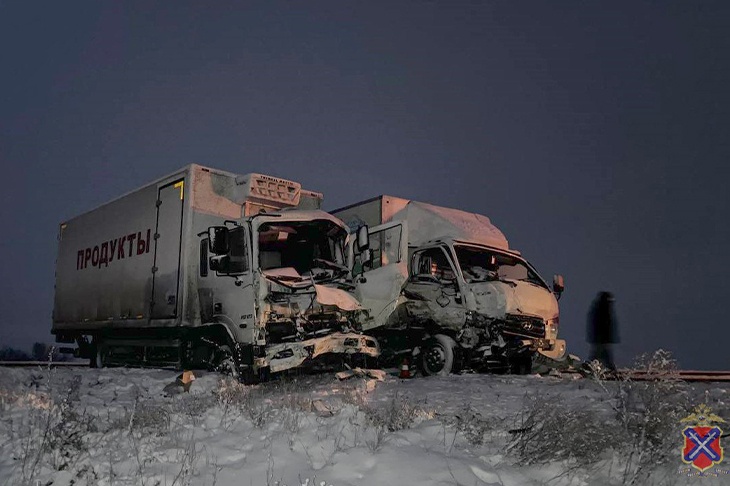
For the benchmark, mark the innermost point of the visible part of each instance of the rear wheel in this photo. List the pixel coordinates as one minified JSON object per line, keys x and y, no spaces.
{"x":97,"y":354}
{"x":437,"y":357}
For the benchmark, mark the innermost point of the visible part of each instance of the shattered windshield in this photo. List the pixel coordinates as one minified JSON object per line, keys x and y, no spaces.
{"x":309,"y":247}
{"x":479,"y":265}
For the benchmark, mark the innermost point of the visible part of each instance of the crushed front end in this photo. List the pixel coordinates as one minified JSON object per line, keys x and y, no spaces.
{"x":306,"y":324}
{"x":508,"y":342}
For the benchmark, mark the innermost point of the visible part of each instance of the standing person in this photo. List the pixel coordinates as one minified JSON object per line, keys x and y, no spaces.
{"x":602,"y":331}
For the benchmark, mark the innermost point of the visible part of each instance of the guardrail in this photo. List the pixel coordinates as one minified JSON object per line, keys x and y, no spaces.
{"x":684,"y":375}
{"x":42,"y":364}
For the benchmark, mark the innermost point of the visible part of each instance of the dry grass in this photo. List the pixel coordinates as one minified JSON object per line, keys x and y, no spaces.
{"x":637,"y":435}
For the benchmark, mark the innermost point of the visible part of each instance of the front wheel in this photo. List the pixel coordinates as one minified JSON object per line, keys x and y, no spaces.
{"x":437,"y":358}
{"x":224,"y":362}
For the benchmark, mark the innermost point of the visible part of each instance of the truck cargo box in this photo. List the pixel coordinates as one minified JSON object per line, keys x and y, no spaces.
{"x":126,"y":261}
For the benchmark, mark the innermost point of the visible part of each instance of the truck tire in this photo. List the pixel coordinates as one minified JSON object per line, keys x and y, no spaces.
{"x":97,"y":357}
{"x":225,"y":363}
{"x":437,"y":355}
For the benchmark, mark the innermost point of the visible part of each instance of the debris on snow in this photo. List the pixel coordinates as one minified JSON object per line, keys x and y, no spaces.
{"x":378,"y":375}
{"x":181,"y":384}
{"x":322,"y":409}
{"x":113,"y":427}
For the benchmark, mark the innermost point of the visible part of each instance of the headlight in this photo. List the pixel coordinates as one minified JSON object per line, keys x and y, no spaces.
{"x":552,"y":326}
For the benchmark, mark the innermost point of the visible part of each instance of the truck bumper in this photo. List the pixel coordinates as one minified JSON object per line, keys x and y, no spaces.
{"x":284,"y":356}
{"x":556,"y":351}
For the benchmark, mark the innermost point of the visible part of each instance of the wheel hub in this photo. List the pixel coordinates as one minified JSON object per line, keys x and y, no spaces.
{"x":435,"y":358}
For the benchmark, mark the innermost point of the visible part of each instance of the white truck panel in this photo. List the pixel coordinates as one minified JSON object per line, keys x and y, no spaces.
{"x":102,"y":271}
{"x":426,"y":222}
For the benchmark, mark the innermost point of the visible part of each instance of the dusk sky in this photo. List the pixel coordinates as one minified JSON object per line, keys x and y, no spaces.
{"x":594,"y":134}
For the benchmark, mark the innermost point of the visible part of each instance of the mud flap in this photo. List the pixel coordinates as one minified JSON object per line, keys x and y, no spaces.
{"x":286,"y":356}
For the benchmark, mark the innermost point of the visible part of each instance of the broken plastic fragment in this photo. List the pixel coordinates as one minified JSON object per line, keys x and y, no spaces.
{"x":336,"y":297}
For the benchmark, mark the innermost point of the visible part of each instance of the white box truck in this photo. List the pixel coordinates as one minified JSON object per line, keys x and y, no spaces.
{"x":208,"y":268}
{"x":444,"y":285}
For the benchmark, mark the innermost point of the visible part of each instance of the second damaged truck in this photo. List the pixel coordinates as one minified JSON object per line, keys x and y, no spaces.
{"x":208,"y":268}
{"x":444,"y":284}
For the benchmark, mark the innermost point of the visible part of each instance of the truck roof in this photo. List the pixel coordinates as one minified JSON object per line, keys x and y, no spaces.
{"x":427,"y":222}
{"x":260,"y":189}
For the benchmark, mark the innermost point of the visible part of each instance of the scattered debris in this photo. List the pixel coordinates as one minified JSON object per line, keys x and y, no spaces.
{"x":570,"y":364}
{"x":181,"y":384}
{"x":378,"y":375}
{"x":370,"y":385}
{"x":322,"y":409}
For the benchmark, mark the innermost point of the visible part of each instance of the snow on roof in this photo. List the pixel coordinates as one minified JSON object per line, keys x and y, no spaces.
{"x":428,"y":222}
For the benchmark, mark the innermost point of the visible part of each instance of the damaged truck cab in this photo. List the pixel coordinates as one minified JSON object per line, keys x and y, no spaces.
{"x":443,"y":284}
{"x":303,"y":314}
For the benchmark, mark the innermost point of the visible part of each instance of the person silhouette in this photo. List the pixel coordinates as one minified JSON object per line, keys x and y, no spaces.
{"x":602,"y":329}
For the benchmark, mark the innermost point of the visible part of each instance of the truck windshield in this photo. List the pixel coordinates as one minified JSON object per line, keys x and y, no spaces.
{"x":302,"y":245}
{"x":479,"y":265}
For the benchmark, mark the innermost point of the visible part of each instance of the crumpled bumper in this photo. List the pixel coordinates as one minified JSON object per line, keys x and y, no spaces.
{"x":556,"y":351}
{"x":285,"y":356}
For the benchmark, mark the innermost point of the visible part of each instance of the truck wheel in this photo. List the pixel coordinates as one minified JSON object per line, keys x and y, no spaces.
{"x":224,"y":362}
{"x":97,"y":356}
{"x":437,"y":356}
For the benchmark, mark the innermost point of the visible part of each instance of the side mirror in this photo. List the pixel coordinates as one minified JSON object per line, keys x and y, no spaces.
{"x":367,"y":257}
{"x":558,"y":285}
{"x":219,"y":263}
{"x":363,"y":239}
{"x":218,"y":240}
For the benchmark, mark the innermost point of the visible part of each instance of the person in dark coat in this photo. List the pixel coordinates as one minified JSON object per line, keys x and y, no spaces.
{"x":602,"y":330}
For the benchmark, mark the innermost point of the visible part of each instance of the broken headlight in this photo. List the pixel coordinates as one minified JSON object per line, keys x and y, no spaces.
{"x":551,"y":328}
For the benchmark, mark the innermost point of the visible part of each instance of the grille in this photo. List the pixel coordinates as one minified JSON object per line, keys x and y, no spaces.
{"x":528,"y":326}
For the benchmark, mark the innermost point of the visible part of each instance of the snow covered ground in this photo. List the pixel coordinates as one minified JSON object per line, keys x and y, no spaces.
{"x":75,"y":426}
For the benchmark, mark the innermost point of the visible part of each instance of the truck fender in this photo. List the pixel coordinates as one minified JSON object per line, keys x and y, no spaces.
{"x":224,"y":326}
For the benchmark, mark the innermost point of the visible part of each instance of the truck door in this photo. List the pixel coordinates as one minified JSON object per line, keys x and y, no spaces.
{"x":227,"y":295}
{"x":433,"y":289}
{"x":379,"y":285}
{"x":168,"y":235}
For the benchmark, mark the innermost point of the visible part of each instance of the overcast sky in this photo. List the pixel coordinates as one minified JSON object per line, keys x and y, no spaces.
{"x":594,"y":134}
